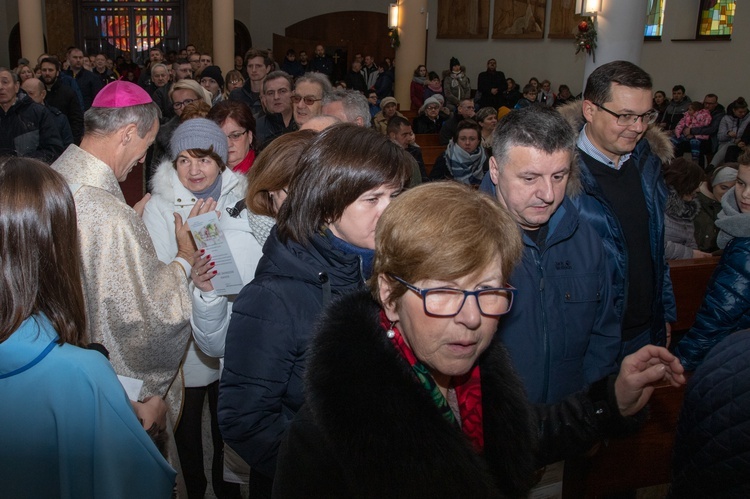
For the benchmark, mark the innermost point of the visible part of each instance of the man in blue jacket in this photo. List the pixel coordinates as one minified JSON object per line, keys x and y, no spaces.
{"x":622,"y":194}
{"x":562,"y":331}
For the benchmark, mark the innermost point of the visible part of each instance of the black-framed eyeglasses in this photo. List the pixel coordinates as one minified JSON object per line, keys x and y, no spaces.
{"x":181,"y":104}
{"x":646,"y":118}
{"x":236,"y":135}
{"x":309,"y":99}
{"x":448,"y":302}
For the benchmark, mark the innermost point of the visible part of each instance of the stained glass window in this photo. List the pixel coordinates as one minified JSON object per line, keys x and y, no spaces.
{"x":716,"y":18}
{"x":116,"y":27}
{"x":654,"y":18}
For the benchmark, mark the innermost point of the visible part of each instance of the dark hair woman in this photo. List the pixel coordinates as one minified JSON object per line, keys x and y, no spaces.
{"x":236,"y":120}
{"x":683,"y":178}
{"x":322,"y":247}
{"x":67,"y":427}
{"x":408,"y":393}
{"x":464,"y":160}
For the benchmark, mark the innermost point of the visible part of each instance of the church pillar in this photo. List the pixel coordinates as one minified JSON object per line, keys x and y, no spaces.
{"x":32,"y":31}
{"x":412,"y":30}
{"x":620,"y":26}
{"x":223,"y":34}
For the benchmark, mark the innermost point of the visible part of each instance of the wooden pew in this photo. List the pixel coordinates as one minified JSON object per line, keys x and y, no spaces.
{"x":689,"y":280}
{"x":644,"y":459}
{"x":427,"y":139}
{"x":430,"y":154}
{"x":409,"y":114}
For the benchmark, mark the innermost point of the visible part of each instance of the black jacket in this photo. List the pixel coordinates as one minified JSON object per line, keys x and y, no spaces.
{"x":369,"y":428}
{"x":64,"y":98}
{"x":29,"y":129}
{"x":423,"y":124}
{"x":712,"y":447}
{"x":355,"y":81}
{"x":488,"y":80}
{"x":272,"y":322}
{"x":246,"y":95}
{"x":89,"y":85}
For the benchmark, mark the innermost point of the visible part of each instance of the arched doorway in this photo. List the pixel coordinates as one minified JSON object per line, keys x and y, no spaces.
{"x":14,"y":46}
{"x":242,"y":39}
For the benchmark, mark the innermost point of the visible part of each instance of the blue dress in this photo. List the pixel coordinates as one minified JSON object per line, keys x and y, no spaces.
{"x":67,"y":428}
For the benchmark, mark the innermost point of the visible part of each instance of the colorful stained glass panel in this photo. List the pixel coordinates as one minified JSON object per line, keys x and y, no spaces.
{"x":654,"y":17}
{"x":716,"y":18}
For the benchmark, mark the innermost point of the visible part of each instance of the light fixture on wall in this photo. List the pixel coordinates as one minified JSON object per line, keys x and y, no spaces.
{"x":393,"y":16}
{"x":588,"y":7}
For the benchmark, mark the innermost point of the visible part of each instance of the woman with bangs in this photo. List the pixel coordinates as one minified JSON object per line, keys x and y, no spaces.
{"x":321,"y":248}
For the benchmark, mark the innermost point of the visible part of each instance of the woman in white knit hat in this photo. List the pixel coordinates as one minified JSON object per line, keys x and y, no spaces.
{"x":197,"y":170}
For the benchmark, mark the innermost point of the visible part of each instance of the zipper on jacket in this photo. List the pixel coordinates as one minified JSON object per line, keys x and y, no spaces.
{"x":545,"y":330}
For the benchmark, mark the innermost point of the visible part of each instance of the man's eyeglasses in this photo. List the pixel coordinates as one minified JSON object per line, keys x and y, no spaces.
{"x":432,"y":108}
{"x":309,"y":99}
{"x":180,"y":104}
{"x":448,"y":302}
{"x":236,"y":135}
{"x":646,"y":118}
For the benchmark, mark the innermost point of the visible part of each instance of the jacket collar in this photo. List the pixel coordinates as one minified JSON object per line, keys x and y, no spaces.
{"x":80,"y":167}
{"x":166,"y":184}
{"x":657,"y":140}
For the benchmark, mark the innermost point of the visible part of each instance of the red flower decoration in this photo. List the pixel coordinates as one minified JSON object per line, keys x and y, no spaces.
{"x":586,"y":37}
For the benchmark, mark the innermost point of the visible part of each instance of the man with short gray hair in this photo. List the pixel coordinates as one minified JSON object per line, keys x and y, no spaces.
{"x":349,"y":106}
{"x":136,"y":306}
{"x":562,"y":331}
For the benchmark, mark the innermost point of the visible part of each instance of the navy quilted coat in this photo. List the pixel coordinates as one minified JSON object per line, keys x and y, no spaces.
{"x":712,"y":448}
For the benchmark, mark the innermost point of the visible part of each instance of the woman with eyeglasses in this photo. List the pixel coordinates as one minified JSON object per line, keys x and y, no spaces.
{"x":182,"y":93}
{"x":236,"y":120}
{"x":409,"y":394}
{"x":234,"y":79}
{"x":321,"y":248}
{"x":429,"y":119}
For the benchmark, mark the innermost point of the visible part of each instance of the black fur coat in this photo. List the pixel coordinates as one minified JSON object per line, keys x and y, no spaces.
{"x":369,"y":429}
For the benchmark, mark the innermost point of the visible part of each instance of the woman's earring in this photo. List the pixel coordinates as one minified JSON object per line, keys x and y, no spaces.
{"x":391,"y":333}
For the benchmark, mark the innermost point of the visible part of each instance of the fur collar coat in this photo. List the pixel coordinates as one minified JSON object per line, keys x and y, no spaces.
{"x":369,"y":429}
{"x":657,"y":140}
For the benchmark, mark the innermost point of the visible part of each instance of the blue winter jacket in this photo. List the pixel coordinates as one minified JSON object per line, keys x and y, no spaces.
{"x":595,"y":209}
{"x":266,"y":352}
{"x":725,"y":308}
{"x":562,"y":331}
{"x":712,"y":446}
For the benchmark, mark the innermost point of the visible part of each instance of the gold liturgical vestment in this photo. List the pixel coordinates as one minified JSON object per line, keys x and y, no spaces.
{"x":136,"y":306}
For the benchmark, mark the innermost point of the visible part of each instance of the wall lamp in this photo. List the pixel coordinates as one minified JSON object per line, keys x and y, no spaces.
{"x":588,"y":7}
{"x":393,"y":16}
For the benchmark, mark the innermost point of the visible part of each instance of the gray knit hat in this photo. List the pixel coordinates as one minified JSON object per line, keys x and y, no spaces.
{"x":199,"y":133}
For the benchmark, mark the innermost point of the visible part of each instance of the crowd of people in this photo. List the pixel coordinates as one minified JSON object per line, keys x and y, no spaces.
{"x":525,"y":282}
